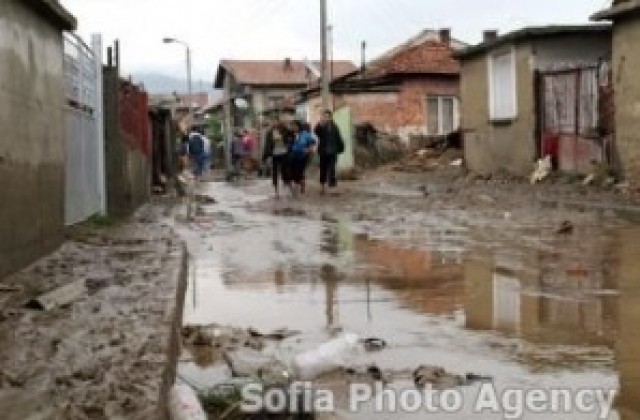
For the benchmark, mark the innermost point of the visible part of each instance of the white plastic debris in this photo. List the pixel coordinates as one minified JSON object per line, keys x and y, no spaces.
{"x":184,"y":404}
{"x":457,"y":162}
{"x":328,"y":356}
{"x":543,"y":169}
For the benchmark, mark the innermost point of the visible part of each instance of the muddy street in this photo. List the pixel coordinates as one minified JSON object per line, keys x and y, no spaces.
{"x":479,"y":280}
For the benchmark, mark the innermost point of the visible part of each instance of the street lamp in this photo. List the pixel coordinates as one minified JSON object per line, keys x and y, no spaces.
{"x":177,"y":41}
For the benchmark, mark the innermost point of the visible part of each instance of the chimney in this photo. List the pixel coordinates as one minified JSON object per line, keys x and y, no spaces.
{"x":287,"y":64}
{"x":445,"y":36}
{"x":489,"y":36}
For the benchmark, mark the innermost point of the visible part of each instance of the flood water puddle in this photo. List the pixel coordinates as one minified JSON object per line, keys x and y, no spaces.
{"x":564,"y":315}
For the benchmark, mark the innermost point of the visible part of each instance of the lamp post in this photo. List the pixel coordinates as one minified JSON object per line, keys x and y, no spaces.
{"x":189,"y":88}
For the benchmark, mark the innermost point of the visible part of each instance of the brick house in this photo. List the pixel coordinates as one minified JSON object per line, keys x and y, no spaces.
{"x":411,"y":90}
{"x":534,"y":92}
{"x":266,"y":86}
{"x":625,"y":15}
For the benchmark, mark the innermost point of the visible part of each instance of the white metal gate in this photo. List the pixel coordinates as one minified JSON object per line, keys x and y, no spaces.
{"x":85,"y":191}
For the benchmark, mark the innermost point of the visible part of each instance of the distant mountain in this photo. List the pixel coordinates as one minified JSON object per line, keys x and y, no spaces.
{"x":160,"y":83}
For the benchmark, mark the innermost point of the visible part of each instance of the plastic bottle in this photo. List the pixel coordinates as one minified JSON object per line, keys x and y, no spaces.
{"x":326,"y":357}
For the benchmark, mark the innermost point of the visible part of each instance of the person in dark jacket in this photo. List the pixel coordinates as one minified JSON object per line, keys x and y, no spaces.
{"x":330,"y":146}
{"x":277,"y":147}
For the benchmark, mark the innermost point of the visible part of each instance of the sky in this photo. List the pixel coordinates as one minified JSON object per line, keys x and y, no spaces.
{"x":276,"y":29}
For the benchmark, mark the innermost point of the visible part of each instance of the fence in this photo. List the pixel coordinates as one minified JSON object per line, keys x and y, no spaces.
{"x":85,"y":194}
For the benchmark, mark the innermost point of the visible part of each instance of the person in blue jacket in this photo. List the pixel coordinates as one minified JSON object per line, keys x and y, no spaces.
{"x":303,"y":146}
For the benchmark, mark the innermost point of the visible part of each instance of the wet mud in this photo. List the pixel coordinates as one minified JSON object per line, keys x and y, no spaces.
{"x":106,"y":353}
{"x":467,"y":278}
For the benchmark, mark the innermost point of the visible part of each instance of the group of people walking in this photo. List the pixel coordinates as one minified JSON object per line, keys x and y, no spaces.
{"x":290,"y":147}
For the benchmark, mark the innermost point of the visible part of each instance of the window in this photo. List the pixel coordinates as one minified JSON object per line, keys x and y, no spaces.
{"x":442,"y":115}
{"x":275,"y":102}
{"x":502,"y":86}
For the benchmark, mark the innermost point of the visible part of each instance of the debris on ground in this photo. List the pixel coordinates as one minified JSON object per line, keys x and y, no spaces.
{"x":100,"y":350}
{"x":375,"y":148}
{"x":542,"y":170}
{"x":374,"y":344}
{"x":204,"y":199}
{"x":426,"y":160}
{"x":59,"y":297}
{"x":435,"y":376}
{"x":327,"y":357}
{"x":565,"y":228}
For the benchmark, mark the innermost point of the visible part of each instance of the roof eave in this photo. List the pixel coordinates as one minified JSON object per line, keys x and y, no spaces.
{"x":617,"y":12}
{"x":528,"y":34}
{"x":55,"y":13}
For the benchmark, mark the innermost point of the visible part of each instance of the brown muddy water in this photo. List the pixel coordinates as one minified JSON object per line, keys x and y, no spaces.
{"x":489,"y":290}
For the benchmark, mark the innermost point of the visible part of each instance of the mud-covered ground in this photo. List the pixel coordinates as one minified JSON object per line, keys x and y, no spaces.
{"x":532,"y":286}
{"x":107,"y":354}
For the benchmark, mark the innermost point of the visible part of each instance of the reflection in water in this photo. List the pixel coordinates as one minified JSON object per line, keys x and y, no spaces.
{"x":577,"y":294}
{"x":628,"y":344}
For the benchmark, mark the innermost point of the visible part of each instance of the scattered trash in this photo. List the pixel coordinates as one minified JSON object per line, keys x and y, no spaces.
{"x":430,"y":159}
{"x":204,"y":199}
{"x":59,"y":297}
{"x":246,"y":362}
{"x":542,"y":171}
{"x":436,"y":377}
{"x":566,"y":228}
{"x":589,"y":179}
{"x":374,"y":344}
{"x":184,"y":404}
{"x":375,"y":373}
{"x":278,"y":334}
{"x":472,"y":377}
{"x":328,"y":356}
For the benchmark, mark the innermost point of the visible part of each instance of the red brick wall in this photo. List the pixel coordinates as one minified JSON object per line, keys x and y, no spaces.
{"x":403,"y":112}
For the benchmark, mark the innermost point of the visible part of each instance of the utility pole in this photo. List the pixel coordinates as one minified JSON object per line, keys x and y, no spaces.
{"x":324,"y":54}
{"x":190,"y":86}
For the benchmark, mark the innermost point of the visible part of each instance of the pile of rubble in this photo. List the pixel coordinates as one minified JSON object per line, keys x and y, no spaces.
{"x":426,"y":160}
{"x":278,"y":359}
{"x":376,"y":148}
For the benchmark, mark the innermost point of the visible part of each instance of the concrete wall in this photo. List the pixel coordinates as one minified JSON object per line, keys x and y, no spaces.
{"x":31,"y":136}
{"x":492,"y":147}
{"x":128,"y":169}
{"x":626,"y":62}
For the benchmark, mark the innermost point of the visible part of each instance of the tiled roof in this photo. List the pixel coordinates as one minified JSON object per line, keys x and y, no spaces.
{"x":281,"y":73}
{"x":430,"y":57}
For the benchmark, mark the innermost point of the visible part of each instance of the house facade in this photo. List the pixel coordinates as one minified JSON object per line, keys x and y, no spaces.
{"x":625,"y":15}
{"x":412,"y":90}
{"x":32,"y":155}
{"x":252,"y":90}
{"x":533,"y":92}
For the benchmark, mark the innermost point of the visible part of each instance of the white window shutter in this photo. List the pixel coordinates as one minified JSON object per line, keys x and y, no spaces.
{"x":502,"y":83}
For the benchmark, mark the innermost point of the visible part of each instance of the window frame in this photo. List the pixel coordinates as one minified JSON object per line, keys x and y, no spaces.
{"x":455,"y":117}
{"x":513,"y":85}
